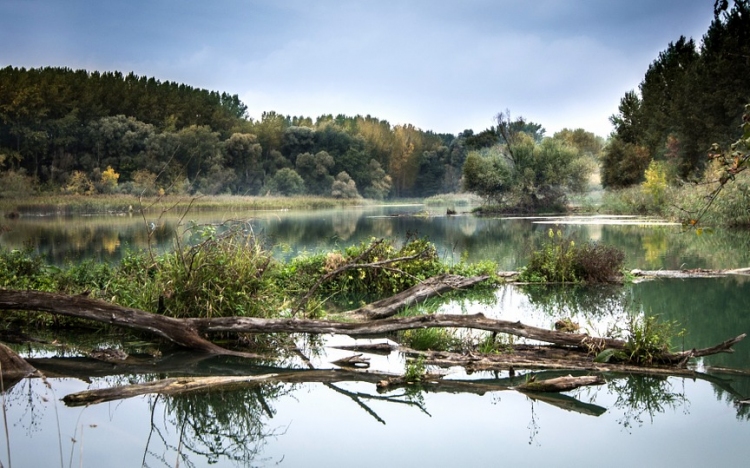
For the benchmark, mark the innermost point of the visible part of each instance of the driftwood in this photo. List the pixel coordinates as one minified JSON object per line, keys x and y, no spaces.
{"x":175,"y":330}
{"x":428,"y":288}
{"x":383,"y":349}
{"x":690,"y":273}
{"x":560,"y":384}
{"x":187,"y":332}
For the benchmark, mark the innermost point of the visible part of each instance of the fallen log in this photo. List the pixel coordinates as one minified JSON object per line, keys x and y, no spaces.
{"x":560,"y":384}
{"x":176,"y":330}
{"x":689,"y":273}
{"x":13,"y":367}
{"x":187,"y":332}
{"x":428,"y":288}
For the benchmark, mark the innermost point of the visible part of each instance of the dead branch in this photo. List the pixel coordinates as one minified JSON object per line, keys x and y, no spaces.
{"x":187,"y":332}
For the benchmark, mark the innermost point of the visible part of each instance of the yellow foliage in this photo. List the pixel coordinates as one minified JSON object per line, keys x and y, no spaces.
{"x":656,"y":181}
{"x":109,"y":179}
{"x":79,"y":183}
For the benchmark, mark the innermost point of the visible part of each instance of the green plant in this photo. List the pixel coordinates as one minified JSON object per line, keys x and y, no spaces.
{"x":647,"y":339}
{"x":434,"y":339}
{"x":561,"y":260}
{"x":415,"y":370}
{"x":493,"y":343}
{"x":553,"y":263}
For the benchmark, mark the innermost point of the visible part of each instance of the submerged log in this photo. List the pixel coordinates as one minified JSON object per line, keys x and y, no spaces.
{"x":560,"y":384}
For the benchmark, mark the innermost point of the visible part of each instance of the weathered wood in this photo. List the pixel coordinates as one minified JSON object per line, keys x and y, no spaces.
{"x":382,"y":349}
{"x":355,"y":362}
{"x":428,"y":288}
{"x":379,"y":327}
{"x":187,"y":332}
{"x":176,"y":330}
{"x":560,"y":384}
{"x":690,"y":273}
{"x":12,"y":366}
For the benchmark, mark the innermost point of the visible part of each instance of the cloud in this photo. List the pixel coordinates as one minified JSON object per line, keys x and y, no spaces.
{"x":444,"y":66}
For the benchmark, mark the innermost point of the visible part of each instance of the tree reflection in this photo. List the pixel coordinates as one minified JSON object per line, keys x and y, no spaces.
{"x":585,"y":301}
{"x":640,"y":397}
{"x":219,"y":425}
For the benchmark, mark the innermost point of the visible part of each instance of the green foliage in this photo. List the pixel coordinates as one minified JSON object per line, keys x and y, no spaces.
{"x":553,"y":263}
{"x":285,"y":182}
{"x":561,"y":260}
{"x":527,"y":175}
{"x":224,"y":274}
{"x":344,"y":187}
{"x":415,"y":370}
{"x":623,"y":163}
{"x":690,"y":97}
{"x":432,"y":339}
{"x":648,"y":338}
{"x":22,"y":269}
{"x":493,"y":343}
{"x":419,"y":261}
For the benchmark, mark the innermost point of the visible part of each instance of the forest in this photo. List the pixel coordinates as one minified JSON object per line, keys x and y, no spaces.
{"x":691,"y":97}
{"x":90,"y":132}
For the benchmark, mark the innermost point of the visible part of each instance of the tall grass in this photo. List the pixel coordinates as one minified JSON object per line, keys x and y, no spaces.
{"x":89,"y":204}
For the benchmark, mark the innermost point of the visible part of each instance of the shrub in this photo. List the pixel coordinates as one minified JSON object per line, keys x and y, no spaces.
{"x":560,"y":260}
{"x":597,"y":263}
{"x":553,"y":263}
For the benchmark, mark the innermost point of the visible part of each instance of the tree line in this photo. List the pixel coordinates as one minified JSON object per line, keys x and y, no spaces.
{"x":92,"y":132}
{"x":690,"y":98}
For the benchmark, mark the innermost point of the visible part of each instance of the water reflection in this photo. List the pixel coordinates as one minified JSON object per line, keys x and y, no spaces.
{"x":507,"y":241}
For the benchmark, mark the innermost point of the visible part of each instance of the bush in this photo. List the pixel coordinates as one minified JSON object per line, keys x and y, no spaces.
{"x":597,"y":263}
{"x":560,"y":260}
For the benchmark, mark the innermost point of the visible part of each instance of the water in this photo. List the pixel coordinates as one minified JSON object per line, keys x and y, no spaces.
{"x":629,"y":421}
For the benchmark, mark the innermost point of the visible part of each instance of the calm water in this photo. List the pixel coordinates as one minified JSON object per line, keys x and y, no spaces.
{"x":630,"y":421}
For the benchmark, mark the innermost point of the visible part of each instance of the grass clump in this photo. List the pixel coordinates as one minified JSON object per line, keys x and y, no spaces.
{"x":560,"y":260}
{"x":220,"y":274}
{"x":430,"y":339}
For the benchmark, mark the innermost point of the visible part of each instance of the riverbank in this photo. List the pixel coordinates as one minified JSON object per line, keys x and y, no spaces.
{"x":103,"y":204}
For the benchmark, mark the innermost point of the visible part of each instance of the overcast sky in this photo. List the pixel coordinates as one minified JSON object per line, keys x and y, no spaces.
{"x":441,"y":65}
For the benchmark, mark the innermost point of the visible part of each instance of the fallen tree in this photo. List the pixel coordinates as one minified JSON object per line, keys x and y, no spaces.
{"x":187,"y":332}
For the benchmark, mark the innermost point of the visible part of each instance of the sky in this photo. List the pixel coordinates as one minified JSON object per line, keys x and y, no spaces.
{"x":441,"y":65}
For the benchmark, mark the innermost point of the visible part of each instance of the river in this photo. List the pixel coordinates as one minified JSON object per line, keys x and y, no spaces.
{"x":629,"y":421}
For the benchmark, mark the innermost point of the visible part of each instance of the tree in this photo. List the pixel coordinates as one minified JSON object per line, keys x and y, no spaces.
{"x":524,"y":175}
{"x":380,"y":182}
{"x":108,"y":180}
{"x":623,"y":163}
{"x":315,"y":171}
{"x":285,"y":182}
{"x":488,"y":174}
{"x":243,"y":153}
{"x":344,"y":187}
